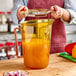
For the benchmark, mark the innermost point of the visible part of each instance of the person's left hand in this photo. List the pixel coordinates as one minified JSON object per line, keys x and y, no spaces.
{"x":57,"y":12}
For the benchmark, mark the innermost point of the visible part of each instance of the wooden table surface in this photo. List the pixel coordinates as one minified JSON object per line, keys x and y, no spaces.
{"x":58,"y":66}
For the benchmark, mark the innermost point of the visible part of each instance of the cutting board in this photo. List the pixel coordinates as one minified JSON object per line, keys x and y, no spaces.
{"x":67,"y":56}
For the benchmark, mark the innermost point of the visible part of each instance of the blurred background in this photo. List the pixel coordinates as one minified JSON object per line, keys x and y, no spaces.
{"x":7,"y":29}
{"x":7,"y":40}
{"x":6,"y":5}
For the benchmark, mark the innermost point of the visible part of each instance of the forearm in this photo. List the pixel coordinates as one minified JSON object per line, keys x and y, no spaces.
{"x":17,"y":4}
{"x":70,"y":5}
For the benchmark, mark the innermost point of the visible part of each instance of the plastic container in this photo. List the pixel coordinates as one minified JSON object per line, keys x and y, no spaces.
{"x":10,"y":48}
{"x":36,"y":36}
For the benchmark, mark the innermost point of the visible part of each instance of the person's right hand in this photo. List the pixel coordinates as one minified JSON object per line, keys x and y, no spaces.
{"x":22,"y":12}
{"x":57,"y":12}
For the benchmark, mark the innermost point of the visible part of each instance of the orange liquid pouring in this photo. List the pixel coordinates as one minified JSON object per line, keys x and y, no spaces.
{"x":36,"y":53}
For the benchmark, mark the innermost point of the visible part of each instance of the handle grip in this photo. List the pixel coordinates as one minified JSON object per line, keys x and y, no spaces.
{"x":36,"y":12}
{"x":16,"y":41}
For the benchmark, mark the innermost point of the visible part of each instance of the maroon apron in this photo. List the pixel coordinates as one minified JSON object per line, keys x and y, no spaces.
{"x":58,"y":39}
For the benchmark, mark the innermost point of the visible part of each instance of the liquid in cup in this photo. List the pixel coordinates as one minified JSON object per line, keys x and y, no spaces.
{"x":36,"y":53}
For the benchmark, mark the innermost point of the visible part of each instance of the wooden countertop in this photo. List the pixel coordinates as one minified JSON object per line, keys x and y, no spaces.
{"x":58,"y":66}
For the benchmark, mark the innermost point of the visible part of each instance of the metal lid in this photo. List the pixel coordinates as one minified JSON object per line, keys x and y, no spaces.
{"x":9,"y":44}
{"x":1,"y":12}
{"x":1,"y":45}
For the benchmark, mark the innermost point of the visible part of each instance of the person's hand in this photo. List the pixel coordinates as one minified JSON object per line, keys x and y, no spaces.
{"x":57,"y":12}
{"x":22,"y":12}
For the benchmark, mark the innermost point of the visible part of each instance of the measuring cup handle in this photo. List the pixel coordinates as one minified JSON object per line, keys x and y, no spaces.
{"x":16,"y":41}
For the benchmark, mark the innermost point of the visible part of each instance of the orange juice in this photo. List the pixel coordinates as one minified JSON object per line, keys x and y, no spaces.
{"x":36,"y":53}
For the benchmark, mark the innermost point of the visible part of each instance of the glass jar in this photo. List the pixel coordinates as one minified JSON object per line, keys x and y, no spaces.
{"x":9,"y":20}
{"x":10,"y":49}
{"x":9,"y":15}
{"x":19,"y":48}
{"x":2,"y":52}
{"x":36,"y":36}
{"x":2,"y":18}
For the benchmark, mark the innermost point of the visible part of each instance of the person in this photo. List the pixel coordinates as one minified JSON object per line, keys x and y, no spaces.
{"x":64,"y":11}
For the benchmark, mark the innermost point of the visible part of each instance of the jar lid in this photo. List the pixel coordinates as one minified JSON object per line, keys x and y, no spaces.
{"x":9,"y":44}
{"x":9,"y":12}
{"x":19,"y":43}
{"x":2,"y":12}
{"x":1,"y":45}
